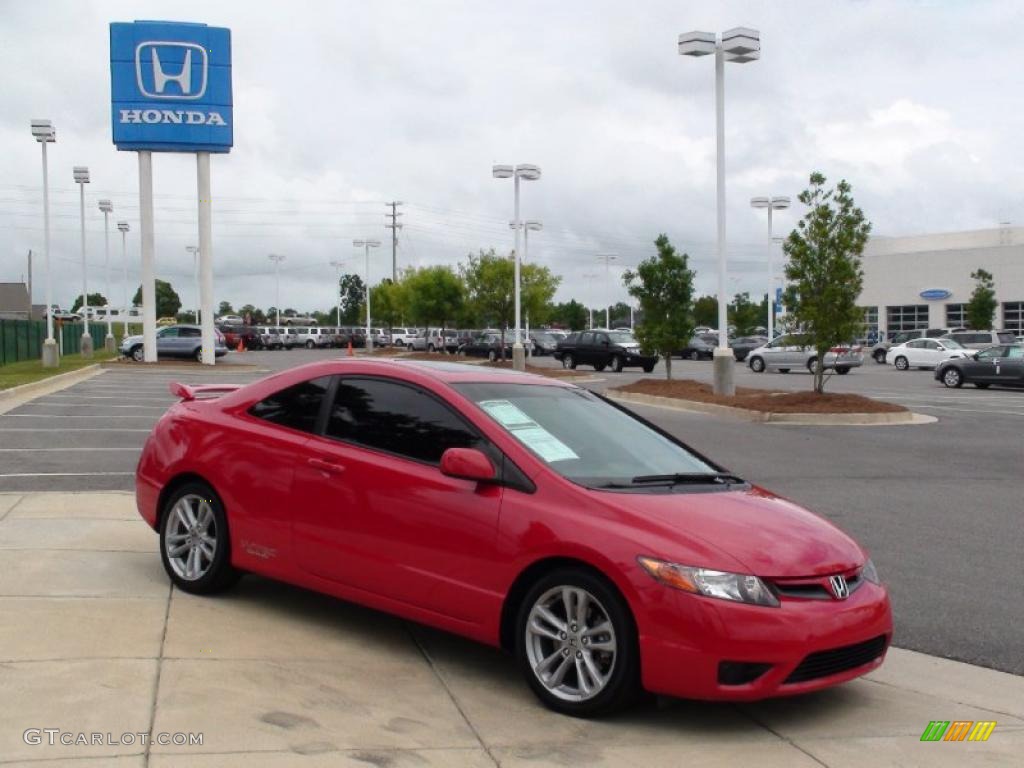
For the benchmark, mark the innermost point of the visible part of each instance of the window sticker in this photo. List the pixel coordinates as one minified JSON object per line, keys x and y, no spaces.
{"x":527,"y":431}
{"x":507,"y":414}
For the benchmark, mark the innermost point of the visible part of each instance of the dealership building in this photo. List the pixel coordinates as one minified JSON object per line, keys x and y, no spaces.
{"x":924,"y":281}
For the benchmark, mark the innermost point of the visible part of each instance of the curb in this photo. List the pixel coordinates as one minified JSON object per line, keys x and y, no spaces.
{"x":15,"y":396}
{"x":801,"y":419}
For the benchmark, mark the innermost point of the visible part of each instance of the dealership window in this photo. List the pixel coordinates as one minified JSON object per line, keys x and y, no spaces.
{"x":870,"y":320}
{"x":956,"y":315}
{"x":1013,"y":316}
{"x":908,"y":317}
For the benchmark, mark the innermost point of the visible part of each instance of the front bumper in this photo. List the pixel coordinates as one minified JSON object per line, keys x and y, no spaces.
{"x":687,"y":637}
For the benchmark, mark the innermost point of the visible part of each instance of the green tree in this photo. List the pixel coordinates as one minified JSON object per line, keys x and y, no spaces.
{"x":256,"y":314}
{"x":981,"y":309}
{"x":571,"y":314}
{"x":663,"y":284}
{"x":388,"y":302}
{"x":619,"y":315}
{"x":167,"y":301}
{"x":95,"y":300}
{"x":225,"y":308}
{"x":745,"y":315}
{"x":353,"y":296}
{"x":824,"y":270}
{"x":435,"y":295}
{"x":705,"y":312}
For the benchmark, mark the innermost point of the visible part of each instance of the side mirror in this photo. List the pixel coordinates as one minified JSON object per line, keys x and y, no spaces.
{"x":467,"y":464}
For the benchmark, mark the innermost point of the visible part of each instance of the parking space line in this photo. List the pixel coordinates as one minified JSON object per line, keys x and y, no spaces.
{"x":70,"y":416}
{"x":971,"y":410}
{"x":68,"y":474}
{"x":37,"y":403}
{"x":73,"y":429}
{"x":107,"y":397}
{"x":58,"y":450}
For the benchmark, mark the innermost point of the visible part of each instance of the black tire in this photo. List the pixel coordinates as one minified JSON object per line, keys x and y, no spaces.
{"x":198,"y":354}
{"x":220,"y":574}
{"x":623,"y":685}
{"x":811,"y":364}
{"x":981,"y":384}
{"x":901,"y":363}
{"x":649,"y":368}
{"x":953,"y":378}
{"x":430,"y":348}
{"x":757,"y":364}
{"x":842,"y":370}
{"x":310,"y":344}
{"x":599,"y":367}
{"x":138,"y":353}
{"x":879,"y":356}
{"x":492,"y":356}
{"x":694,"y":354}
{"x":617,"y":363}
{"x":568,"y":361}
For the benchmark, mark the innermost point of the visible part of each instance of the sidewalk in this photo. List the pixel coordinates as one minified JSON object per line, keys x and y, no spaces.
{"x":93,"y":639}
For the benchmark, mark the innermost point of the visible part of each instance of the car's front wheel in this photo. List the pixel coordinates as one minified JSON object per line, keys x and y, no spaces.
{"x":198,"y":355}
{"x":952,"y":378}
{"x":568,"y":361}
{"x":879,"y":356}
{"x":310,"y":344}
{"x":901,"y":363}
{"x":138,"y":354}
{"x":576,"y":644}
{"x":194,"y":540}
{"x":757,"y":364}
{"x":694,"y":354}
{"x":492,"y":356}
{"x":617,"y":363}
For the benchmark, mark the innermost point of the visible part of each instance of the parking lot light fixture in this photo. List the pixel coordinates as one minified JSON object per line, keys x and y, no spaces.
{"x":194,"y":250}
{"x":123,"y":228}
{"x":738,"y":45}
{"x":81,"y":179}
{"x":529,"y":172}
{"x":277,"y":258}
{"x":775,"y":203}
{"x":337,"y":287}
{"x":107,"y":208}
{"x":607,"y":258}
{"x":367,"y":245}
{"x":44,"y":132}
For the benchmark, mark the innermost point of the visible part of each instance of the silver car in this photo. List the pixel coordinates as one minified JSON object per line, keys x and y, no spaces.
{"x":788,"y":352}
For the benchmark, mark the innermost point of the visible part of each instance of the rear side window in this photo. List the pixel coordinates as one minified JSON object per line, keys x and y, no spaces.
{"x":193,"y":332}
{"x":396,"y":418}
{"x":296,"y":407}
{"x":1006,"y":338}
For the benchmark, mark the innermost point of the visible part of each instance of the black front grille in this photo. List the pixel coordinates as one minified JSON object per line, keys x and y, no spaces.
{"x":836,"y":660}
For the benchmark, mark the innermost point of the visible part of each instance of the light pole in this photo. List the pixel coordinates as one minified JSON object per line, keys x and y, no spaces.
{"x":45,"y":133}
{"x":337,"y":287}
{"x":107,"y":207}
{"x":528,"y":226}
{"x":776,"y":203}
{"x":607,"y":258}
{"x":194,"y":250}
{"x":82,"y":178}
{"x":277,"y":258}
{"x":530,"y":173}
{"x":589,"y":276}
{"x":122,"y":226}
{"x":738,"y":45}
{"x":367,"y":244}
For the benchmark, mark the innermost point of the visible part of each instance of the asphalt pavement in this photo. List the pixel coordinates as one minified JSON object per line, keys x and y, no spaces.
{"x":939,"y":506}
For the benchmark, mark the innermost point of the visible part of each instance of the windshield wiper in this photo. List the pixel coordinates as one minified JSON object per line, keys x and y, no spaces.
{"x":681,"y":478}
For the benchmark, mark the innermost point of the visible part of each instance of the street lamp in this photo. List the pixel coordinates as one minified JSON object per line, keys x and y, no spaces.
{"x":367,"y":244}
{"x":528,"y":226}
{"x":530,"y":173}
{"x":277,"y":258}
{"x":82,"y":178}
{"x":45,"y":133}
{"x":337,"y":287}
{"x":607,"y":258}
{"x":107,"y":207}
{"x":194,"y":250}
{"x":122,"y":226}
{"x":589,"y":276}
{"x":738,"y":45}
{"x":775,"y":203}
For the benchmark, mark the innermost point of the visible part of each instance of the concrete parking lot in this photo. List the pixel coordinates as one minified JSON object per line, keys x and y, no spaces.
{"x":937,"y":505}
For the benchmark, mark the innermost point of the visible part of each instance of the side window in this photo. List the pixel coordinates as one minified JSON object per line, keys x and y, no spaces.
{"x":168,"y":333}
{"x":194,"y":332}
{"x":396,"y":418}
{"x":585,"y":339}
{"x":1015,"y":353}
{"x":991,"y":353}
{"x":297,"y":406}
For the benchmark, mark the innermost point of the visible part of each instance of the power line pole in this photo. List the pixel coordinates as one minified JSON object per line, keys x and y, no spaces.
{"x":394,"y":226}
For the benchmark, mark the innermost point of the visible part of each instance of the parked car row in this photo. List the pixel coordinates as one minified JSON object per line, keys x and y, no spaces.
{"x":966,"y":338}
{"x":702,"y":346}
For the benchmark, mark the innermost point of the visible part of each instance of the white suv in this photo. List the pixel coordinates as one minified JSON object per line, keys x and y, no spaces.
{"x":401,"y":336}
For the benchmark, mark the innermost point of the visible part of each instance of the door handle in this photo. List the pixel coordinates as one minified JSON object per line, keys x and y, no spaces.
{"x":326,"y":466}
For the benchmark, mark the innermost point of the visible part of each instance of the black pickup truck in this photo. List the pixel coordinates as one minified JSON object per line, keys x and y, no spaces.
{"x":601,"y":349}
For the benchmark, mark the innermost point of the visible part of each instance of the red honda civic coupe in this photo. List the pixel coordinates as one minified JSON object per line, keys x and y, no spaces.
{"x":519,"y":511}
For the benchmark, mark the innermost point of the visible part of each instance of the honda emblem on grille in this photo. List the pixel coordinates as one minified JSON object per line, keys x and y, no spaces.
{"x":839,"y":587}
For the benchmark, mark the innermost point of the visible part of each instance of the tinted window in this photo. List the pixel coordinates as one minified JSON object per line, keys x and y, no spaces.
{"x":1005,"y":338}
{"x":396,"y":418}
{"x":194,"y":332}
{"x":586,"y":338}
{"x":992,"y":352}
{"x":296,"y":407}
{"x":168,"y":333}
{"x":1015,"y":353}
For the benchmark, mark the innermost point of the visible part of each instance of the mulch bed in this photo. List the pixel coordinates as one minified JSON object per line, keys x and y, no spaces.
{"x":763,"y":400}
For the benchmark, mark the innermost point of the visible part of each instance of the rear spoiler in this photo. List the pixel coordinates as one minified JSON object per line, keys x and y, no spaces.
{"x":186,"y":392}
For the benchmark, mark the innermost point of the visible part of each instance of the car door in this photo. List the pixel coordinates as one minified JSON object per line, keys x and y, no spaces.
{"x":584,"y":348}
{"x":916,"y":352}
{"x":1011,"y":367}
{"x":373,"y":511}
{"x":167,"y":342}
{"x":188,"y":340}
{"x":983,"y":367}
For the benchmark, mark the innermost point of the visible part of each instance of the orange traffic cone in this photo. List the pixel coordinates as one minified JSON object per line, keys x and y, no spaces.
{"x":241,"y":344}
{"x":350,"y":352}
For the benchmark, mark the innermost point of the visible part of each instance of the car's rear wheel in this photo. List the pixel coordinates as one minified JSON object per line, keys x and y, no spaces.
{"x":138,"y":353}
{"x":617,"y":363}
{"x":842,"y":370}
{"x":492,"y":356}
{"x":568,"y":361}
{"x":198,"y":355}
{"x":649,"y":368}
{"x":901,"y":363}
{"x":879,"y":356}
{"x":812,"y":364}
{"x":194,"y":543}
{"x":757,"y":364}
{"x":430,"y":348}
{"x":694,"y":354}
{"x":952,"y":378}
{"x":310,"y":344}
{"x":599,"y":367}
{"x":576,"y":644}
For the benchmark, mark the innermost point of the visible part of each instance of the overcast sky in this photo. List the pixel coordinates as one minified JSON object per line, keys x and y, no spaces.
{"x":341,"y":106}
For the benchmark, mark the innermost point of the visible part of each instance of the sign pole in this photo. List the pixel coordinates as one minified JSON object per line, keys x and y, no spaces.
{"x":148,"y":246}
{"x":205,"y":256}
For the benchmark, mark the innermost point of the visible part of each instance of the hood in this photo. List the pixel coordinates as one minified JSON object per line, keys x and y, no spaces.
{"x":768,"y":535}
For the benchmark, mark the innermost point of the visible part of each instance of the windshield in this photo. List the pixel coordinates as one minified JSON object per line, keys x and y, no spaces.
{"x":621,"y":337}
{"x":580,"y":436}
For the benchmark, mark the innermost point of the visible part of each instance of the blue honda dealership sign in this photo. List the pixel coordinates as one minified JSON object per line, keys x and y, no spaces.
{"x":170,"y":87}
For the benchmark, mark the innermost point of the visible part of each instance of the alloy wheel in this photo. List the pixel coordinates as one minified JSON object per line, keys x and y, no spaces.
{"x":570,"y":643}
{"x":191,"y":537}
{"x":952,"y":378}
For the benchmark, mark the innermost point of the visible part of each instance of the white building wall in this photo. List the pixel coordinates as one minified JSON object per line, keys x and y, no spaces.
{"x":898,"y":269}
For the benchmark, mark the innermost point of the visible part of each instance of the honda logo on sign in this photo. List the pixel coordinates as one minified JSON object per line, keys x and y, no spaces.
{"x":160,"y":63}
{"x":840,"y":588}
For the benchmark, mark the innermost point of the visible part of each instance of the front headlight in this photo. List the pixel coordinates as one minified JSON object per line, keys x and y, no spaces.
{"x":738,"y":587}
{"x":870,"y":573}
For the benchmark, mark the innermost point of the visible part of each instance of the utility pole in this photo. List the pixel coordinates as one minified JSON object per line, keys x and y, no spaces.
{"x":394,"y":226}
